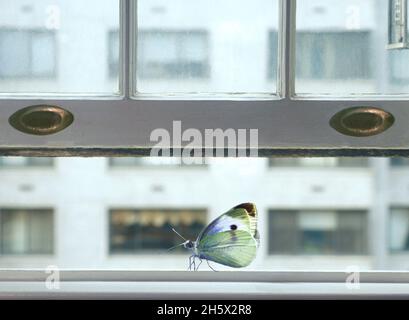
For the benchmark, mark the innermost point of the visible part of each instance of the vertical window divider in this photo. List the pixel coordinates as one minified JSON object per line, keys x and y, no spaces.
{"x":127,"y":21}
{"x":286,"y":64}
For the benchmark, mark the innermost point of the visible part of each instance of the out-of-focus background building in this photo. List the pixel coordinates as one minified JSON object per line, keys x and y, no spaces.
{"x":116,"y":213}
{"x":324,"y":213}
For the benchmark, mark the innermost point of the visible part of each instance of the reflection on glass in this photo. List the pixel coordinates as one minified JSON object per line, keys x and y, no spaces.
{"x":333,"y":55}
{"x":341,"y":48}
{"x":29,"y":54}
{"x":186,"y":53}
{"x":59,"y":46}
{"x":207,"y":46}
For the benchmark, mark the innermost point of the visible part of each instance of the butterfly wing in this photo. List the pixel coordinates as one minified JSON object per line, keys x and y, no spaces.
{"x":231,"y":239}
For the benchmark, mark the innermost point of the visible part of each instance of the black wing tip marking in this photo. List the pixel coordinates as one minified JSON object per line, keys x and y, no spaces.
{"x":249,"y":207}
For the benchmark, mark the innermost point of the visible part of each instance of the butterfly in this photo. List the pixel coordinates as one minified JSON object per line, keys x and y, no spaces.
{"x":231,"y":240}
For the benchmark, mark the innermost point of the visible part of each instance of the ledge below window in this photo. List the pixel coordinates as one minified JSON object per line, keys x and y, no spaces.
{"x":203,"y":285}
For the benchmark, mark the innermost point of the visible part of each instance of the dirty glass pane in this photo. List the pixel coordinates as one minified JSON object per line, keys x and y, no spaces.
{"x":59,"y":46}
{"x":342,"y":48}
{"x":207,"y":46}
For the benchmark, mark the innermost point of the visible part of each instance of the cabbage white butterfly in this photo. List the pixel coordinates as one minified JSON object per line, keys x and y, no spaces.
{"x":231,"y":240}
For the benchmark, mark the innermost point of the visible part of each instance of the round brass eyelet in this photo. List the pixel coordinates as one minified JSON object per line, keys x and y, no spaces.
{"x":41,"y":120}
{"x":362,"y":121}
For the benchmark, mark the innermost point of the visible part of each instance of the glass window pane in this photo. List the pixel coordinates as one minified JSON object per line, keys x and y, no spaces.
{"x":185,"y":54}
{"x":14,"y":54}
{"x":342,"y":49}
{"x":43,"y":54}
{"x":113,"y":53}
{"x":207,"y":46}
{"x":58,"y":47}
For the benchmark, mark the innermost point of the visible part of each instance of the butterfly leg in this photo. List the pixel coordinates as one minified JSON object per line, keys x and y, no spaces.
{"x":190,"y":263}
{"x":210,"y":266}
{"x":197,"y":268}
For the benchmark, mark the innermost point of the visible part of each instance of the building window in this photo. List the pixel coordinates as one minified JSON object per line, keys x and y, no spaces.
{"x":149,"y":230}
{"x":333,"y":55}
{"x":113,"y":54}
{"x":26,"y":231}
{"x":170,"y":54}
{"x":399,"y":162}
{"x":156,"y":162}
{"x":399,"y":229}
{"x":27,"y":54}
{"x":8,"y":162}
{"x":350,"y":162}
{"x":317,"y":232}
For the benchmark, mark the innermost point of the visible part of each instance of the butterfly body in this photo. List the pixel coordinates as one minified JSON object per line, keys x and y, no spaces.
{"x":232,"y":239}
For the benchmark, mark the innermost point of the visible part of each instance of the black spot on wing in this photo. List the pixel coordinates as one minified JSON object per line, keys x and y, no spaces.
{"x":233,"y":227}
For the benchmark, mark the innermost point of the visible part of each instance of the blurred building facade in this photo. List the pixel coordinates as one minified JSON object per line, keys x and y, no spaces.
{"x":323,"y":213}
{"x":103,"y":213}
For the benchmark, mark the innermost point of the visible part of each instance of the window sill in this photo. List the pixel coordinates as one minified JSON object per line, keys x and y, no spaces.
{"x":201,"y":290}
{"x":203,"y":285}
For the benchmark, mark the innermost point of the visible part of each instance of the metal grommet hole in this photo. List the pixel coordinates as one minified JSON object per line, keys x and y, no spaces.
{"x":362,"y":121}
{"x":41,"y":119}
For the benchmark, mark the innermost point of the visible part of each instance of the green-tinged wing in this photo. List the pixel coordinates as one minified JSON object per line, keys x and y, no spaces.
{"x":242,"y":217}
{"x":234,"y":248}
{"x":250,"y":211}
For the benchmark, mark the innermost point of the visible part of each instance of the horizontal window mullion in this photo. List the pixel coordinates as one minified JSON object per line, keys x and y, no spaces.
{"x":300,"y":126}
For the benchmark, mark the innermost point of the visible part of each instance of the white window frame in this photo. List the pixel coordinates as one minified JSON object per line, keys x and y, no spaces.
{"x":289,"y":125}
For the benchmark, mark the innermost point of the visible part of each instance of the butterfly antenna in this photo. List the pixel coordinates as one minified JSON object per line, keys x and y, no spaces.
{"x":178,"y":245}
{"x":178,"y":234}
